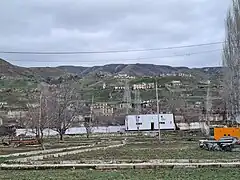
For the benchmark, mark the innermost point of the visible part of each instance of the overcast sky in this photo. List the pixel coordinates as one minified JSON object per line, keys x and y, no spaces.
{"x":99,"y":25}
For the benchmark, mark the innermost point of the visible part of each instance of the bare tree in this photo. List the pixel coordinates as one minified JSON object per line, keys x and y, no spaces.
{"x":231,"y":60}
{"x":34,"y":124}
{"x":91,"y":120}
{"x":63,"y":107}
{"x":88,"y":125}
{"x":36,"y":118}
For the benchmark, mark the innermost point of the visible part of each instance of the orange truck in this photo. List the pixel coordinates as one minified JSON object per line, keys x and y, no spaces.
{"x":226,"y":131}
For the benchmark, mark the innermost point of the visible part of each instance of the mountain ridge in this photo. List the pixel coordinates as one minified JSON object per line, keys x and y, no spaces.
{"x":138,"y":69}
{"x":8,"y":69}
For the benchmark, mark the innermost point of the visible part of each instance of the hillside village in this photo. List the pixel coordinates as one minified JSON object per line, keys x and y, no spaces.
{"x":105,"y":94}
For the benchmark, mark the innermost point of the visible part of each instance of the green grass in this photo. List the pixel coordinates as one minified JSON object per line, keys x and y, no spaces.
{"x":18,"y":83}
{"x":19,"y":88}
{"x":12,"y":98}
{"x":166,"y":174}
{"x":2,"y":160}
{"x":151,"y":150}
{"x":51,"y":143}
{"x":5,"y":150}
{"x":54,"y":143}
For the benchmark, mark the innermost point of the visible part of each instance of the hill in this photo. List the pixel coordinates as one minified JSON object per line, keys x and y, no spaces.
{"x":7,"y":69}
{"x":141,"y":70}
{"x":21,"y":88}
{"x":45,"y":72}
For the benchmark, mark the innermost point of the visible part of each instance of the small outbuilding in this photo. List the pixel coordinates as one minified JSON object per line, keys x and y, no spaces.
{"x":149,"y":122}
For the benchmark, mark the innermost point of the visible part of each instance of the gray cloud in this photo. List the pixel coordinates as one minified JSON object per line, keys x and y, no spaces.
{"x":80,"y":25}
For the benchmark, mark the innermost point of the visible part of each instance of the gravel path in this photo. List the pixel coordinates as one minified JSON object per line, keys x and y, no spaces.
{"x":54,"y":154}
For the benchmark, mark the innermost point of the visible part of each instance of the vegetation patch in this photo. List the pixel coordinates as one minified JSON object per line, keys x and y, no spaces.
{"x":166,"y":174}
{"x":147,"y":151}
{"x":2,"y":159}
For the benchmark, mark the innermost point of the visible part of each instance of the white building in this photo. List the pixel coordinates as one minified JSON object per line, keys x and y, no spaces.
{"x":176,"y":83}
{"x":124,"y":76}
{"x":3,"y":103}
{"x":144,"y":86}
{"x":119,"y":88}
{"x":16,"y":114}
{"x":104,"y":86}
{"x":102,"y":109}
{"x":149,"y":122}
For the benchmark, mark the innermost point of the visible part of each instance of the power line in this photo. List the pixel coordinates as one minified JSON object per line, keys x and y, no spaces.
{"x":139,"y":58}
{"x":107,"y":51}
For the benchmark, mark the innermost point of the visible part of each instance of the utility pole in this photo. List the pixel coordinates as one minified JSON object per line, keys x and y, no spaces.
{"x":47,"y":111}
{"x":208,"y":108}
{"x":46,"y":98}
{"x":91,"y":112}
{"x":40,"y":114}
{"x":159,"y":131}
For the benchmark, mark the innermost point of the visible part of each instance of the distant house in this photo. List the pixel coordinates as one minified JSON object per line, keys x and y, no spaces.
{"x":144,"y":86}
{"x":176,"y":83}
{"x":102,"y":109}
{"x":104,"y":86}
{"x":205,"y":82}
{"x":184,"y":75}
{"x":167,"y":74}
{"x":124,"y":76}
{"x":119,"y":88}
{"x":33,"y":105}
{"x":147,"y":103}
{"x":197,"y":104}
{"x":16,"y":114}
{"x":3,"y":103}
{"x":175,"y":74}
{"x":125,"y":105}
